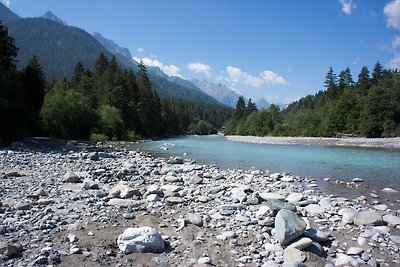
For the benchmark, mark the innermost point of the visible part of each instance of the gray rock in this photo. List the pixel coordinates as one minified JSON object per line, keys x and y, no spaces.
{"x":367,"y":218}
{"x":391,"y":219}
{"x":23,"y":206}
{"x":239,"y":194}
{"x":144,"y":239}
{"x":215,"y":190}
{"x":316,"y":235}
{"x":174,"y":200}
{"x":345,"y":260}
{"x":301,"y":243}
{"x":293,"y":264}
{"x":123,"y":190}
{"x":277,"y":205}
{"x":316,"y":249}
{"x":176,"y":160}
{"x":8,"y":250}
{"x":71,"y":177}
{"x":72,"y":238}
{"x":153,"y":198}
{"x":395,"y":238}
{"x":292,"y":254}
{"x":348,"y":215}
{"x":271,"y":196}
{"x":93,"y":156}
{"x":314,"y":209}
{"x":41,"y":260}
{"x":354,"y":251}
{"x":3,"y":229}
{"x":89,"y":184}
{"x":195,"y":219}
{"x":288,"y":226}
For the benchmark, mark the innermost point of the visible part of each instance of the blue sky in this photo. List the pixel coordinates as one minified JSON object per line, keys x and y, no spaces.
{"x":277,"y":49}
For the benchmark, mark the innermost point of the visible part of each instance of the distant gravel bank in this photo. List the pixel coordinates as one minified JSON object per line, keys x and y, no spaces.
{"x":386,"y":143}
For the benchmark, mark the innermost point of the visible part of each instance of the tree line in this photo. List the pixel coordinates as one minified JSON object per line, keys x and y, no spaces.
{"x":108,"y":103}
{"x":368,"y":107}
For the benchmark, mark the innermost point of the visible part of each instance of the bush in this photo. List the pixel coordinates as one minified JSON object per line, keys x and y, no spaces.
{"x":96,"y":137}
{"x":67,"y":113}
{"x":111,"y":123}
{"x":202,"y":128}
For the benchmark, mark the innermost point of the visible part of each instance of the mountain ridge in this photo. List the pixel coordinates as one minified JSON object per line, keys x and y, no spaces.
{"x":218,"y":91}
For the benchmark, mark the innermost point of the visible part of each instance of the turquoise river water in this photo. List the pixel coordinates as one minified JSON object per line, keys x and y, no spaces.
{"x":378,"y":168}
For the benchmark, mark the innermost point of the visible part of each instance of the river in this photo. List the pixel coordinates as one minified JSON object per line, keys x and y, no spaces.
{"x":378,"y":168}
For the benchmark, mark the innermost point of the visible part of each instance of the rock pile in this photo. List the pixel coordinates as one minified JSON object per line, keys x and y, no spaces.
{"x":101,"y":206}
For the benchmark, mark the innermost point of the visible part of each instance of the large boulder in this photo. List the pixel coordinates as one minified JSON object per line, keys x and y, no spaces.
{"x":71,"y":177}
{"x":144,"y":239}
{"x":288,"y":226}
{"x":278,"y":204}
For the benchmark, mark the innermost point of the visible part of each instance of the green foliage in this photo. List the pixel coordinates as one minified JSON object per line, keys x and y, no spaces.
{"x":111,"y":123}
{"x":368,"y":108}
{"x":202,"y":128}
{"x":67,"y":113}
{"x":95,"y":137}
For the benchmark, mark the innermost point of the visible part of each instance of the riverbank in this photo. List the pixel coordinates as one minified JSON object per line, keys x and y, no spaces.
{"x":68,"y":204}
{"x":384,"y":143}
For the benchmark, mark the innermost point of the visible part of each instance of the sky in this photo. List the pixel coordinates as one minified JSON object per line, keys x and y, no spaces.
{"x":277,"y":49}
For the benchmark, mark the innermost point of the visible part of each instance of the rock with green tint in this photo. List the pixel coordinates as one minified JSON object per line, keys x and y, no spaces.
{"x":277,"y":205}
{"x":288,"y":226}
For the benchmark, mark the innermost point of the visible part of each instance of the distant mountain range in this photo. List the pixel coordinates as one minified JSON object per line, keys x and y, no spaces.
{"x":60,"y":47}
{"x":219,"y":91}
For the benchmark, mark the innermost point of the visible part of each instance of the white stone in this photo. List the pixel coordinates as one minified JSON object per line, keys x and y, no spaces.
{"x":295,"y":197}
{"x":391,"y":219}
{"x":389,"y":190}
{"x":144,"y":239}
{"x":268,"y":196}
{"x":314,"y":209}
{"x":239,"y":194}
{"x":355,"y":251}
{"x":264,"y":211}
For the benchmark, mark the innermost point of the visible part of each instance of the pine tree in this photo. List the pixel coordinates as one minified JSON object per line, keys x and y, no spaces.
{"x":377,"y":73}
{"x":8,"y":50}
{"x":240,"y":108}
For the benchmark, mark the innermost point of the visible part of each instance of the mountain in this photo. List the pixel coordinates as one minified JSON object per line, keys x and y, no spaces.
{"x":262,"y":103}
{"x":6,"y":14}
{"x":218,"y":91}
{"x":60,"y":47}
{"x":121,"y":53}
{"x":49,"y":15}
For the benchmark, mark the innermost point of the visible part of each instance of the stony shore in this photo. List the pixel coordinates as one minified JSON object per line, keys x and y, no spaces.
{"x":69,"y":204}
{"x":385,"y":143}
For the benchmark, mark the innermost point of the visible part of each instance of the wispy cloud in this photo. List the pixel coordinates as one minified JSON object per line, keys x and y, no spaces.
{"x":199,"y":67}
{"x":170,"y":70}
{"x":140,"y":49}
{"x":347,"y":6}
{"x":236,"y":75}
{"x":6,"y":2}
{"x":392,"y":14}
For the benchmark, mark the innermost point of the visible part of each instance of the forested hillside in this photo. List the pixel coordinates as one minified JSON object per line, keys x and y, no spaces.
{"x":368,"y":107}
{"x":108,"y":103}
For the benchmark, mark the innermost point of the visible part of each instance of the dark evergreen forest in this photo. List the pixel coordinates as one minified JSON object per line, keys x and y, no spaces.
{"x":369,"y":107}
{"x":109,"y":103}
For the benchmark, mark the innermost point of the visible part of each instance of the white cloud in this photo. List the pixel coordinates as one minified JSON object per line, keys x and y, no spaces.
{"x":170,"y":70}
{"x":392,"y":13}
{"x":236,"y":75}
{"x":6,"y":2}
{"x":396,"y":41}
{"x":199,"y":67}
{"x":280,"y":99}
{"x":395,"y":62}
{"x":347,"y":6}
{"x":140,"y":49}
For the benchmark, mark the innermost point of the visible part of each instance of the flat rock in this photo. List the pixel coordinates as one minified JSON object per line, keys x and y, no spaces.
{"x":314,"y":209}
{"x":367,"y":218}
{"x":124,"y":203}
{"x":144,"y":239}
{"x":288,"y":226}
{"x":295,"y":197}
{"x":174,"y":200}
{"x":381,"y":207}
{"x":272,"y":247}
{"x":45,"y":201}
{"x":391,"y":219}
{"x":301,"y":243}
{"x":203,"y":199}
{"x":347,"y":215}
{"x":354,"y":251}
{"x":269,"y":196}
{"x":171,"y":188}
{"x":389,"y":190}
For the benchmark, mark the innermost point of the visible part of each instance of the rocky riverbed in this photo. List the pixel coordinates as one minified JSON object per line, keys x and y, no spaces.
{"x":382,"y":143}
{"x":77,"y":204}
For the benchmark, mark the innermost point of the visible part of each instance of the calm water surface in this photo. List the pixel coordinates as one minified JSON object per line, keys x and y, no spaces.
{"x":378,"y":168}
